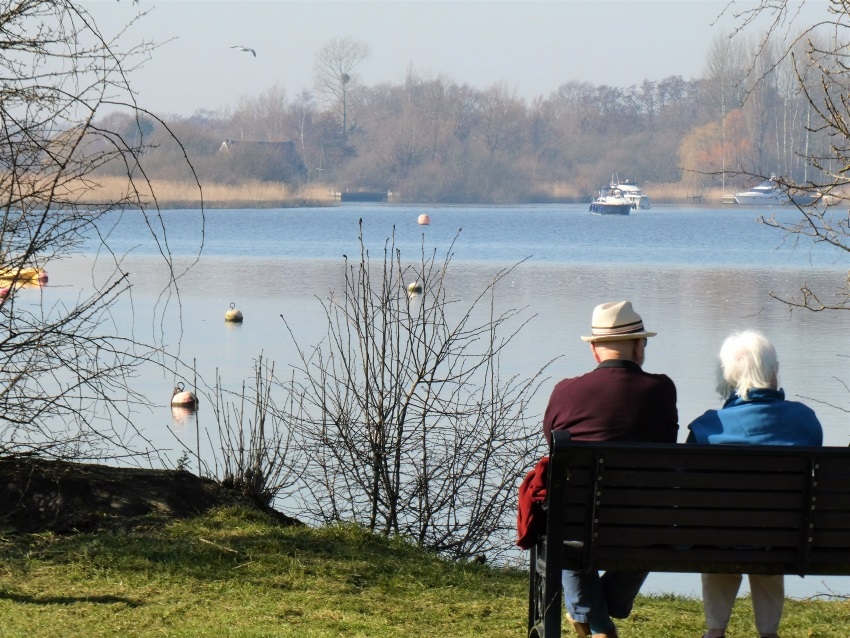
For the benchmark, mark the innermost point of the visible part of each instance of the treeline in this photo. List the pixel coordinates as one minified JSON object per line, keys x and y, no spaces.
{"x":435,"y":140}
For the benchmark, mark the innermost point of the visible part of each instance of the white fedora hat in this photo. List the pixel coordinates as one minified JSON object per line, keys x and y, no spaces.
{"x":615,"y":321}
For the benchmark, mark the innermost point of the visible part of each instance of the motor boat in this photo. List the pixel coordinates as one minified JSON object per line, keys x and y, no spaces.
{"x":771,"y":193}
{"x":631,"y":192}
{"x":611,"y":202}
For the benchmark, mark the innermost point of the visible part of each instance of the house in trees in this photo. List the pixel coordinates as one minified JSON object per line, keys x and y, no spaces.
{"x":265,"y":161}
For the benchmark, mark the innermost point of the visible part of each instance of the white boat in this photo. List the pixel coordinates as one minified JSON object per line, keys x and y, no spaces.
{"x":631,"y":192}
{"x":770,"y":193}
{"x":612,"y":202}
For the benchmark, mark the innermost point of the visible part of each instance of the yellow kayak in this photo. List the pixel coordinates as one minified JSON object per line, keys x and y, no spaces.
{"x":24,"y":275}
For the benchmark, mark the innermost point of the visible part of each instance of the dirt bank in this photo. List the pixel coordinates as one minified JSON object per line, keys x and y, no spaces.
{"x":39,"y":495}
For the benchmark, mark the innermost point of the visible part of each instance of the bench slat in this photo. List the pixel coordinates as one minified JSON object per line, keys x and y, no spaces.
{"x":833,"y":500}
{"x":833,"y":464}
{"x":667,"y":516}
{"x":827,"y":561}
{"x":696,"y":560}
{"x":713,"y":458}
{"x":769,"y":482}
{"x":830,"y":538}
{"x":612,"y":496}
{"x":635,"y":536}
{"x":831,"y":519}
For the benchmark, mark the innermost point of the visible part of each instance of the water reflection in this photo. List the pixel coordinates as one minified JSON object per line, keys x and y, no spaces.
{"x":182,"y":416}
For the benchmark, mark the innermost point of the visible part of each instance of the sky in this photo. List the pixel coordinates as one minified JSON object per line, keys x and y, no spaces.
{"x":530,"y":47}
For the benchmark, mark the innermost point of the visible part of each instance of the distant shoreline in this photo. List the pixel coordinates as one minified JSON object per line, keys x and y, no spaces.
{"x":666,"y":197}
{"x":178,"y":195}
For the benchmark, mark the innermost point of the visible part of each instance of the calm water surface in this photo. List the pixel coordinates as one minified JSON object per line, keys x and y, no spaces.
{"x":694,"y":274}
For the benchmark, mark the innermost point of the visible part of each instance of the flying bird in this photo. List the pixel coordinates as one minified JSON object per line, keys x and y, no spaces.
{"x":246,"y":49}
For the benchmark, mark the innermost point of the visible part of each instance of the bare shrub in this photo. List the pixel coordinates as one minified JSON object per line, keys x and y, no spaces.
{"x":253,"y":451}
{"x":402,"y":419}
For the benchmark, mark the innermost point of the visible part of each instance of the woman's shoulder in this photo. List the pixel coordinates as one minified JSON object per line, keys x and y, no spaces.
{"x":802,"y":414}
{"x":704,"y":425}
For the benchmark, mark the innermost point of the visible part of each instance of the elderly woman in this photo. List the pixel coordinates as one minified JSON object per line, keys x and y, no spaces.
{"x":754,"y":411}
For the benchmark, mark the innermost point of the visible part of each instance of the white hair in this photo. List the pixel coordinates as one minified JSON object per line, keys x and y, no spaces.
{"x":747,"y":361}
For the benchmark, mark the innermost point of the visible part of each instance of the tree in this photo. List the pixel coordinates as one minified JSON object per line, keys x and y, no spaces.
{"x":824,"y":80}
{"x":707,"y":150}
{"x":402,"y":421}
{"x":303,"y":116}
{"x":65,"y":376}
{"x":722,"y":87}
{"x":263,"y":118}
{"x":819,"y":62}
{"x":334,"y":75}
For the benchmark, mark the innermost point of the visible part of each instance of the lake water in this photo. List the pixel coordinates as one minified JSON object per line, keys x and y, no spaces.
{"x":694,"y":274}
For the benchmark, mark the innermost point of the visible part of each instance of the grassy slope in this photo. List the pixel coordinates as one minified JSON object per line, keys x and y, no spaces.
{"x":232,"y":573}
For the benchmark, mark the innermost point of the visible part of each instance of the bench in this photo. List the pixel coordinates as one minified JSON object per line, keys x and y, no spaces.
{"x":756,"y":509}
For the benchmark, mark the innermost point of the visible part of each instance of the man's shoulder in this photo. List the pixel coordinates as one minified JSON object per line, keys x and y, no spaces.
{"x":612,"y":377}
{"x":599,"y":373}
{"x":582,"y":378}
{"x":659,"y":376}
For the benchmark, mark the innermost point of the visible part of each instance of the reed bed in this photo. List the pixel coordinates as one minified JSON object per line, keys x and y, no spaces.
{"x":564,"y":191}
{"x":185,"y":194}
{"x":255,"y":194}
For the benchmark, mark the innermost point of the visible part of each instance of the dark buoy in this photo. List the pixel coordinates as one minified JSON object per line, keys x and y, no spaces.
{"x":233,"y":314}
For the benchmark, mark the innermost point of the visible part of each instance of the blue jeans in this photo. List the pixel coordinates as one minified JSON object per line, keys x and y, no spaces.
{"x":595,"y":599}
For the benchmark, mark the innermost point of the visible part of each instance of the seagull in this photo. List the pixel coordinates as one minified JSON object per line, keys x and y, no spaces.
{"x":246,"y":49}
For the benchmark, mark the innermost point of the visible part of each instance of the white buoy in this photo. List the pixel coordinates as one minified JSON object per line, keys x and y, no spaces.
{"x":415,"y":288}
{"x":424,"y":219}
{"x":182,"y":398}
{"x":233,"y":314}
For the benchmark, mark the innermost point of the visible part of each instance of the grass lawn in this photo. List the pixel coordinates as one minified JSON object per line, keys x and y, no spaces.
{"x":234,"y":573}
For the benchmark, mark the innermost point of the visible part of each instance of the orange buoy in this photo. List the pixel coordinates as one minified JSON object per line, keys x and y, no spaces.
{"x":182,"y":398}
{"x":424,"y":219}
{"x":233,"y":314}
{"x":4,"y":292}
{"x":42,"y":277}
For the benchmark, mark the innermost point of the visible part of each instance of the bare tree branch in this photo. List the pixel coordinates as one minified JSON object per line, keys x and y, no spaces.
{"x":66,"y":369}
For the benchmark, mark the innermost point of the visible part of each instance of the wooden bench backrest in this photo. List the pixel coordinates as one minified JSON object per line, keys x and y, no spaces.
{"x":691,"y":508}
{"x":688,"y":508}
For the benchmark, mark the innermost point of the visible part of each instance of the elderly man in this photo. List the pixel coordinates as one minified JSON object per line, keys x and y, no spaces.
{"x":617,"y":401}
